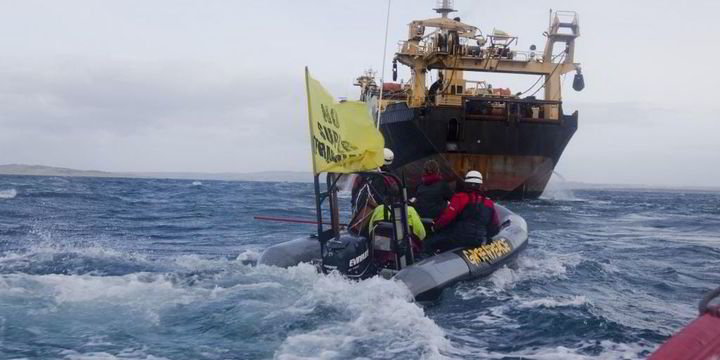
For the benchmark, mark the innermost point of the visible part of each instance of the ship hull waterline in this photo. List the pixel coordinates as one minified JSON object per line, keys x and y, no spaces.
{"x":517,"y":158}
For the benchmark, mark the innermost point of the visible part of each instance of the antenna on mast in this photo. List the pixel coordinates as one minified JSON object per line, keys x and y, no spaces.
{"x":444,"y":7}
{"x":382,"y":74}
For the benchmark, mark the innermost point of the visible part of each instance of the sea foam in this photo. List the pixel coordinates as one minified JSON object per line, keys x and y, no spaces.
{"x":581,"y":351}
{"x":541,"y":265}
{"x":552,"y":302}
{"x":341,"y":315}
{"x":375,"y":311}
{"x":8,"y":194}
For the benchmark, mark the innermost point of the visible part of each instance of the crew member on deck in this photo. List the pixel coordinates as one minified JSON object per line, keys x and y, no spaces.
{"x":437,"y":85}
{"x":469,"y":220}
{"x":433,"y":194}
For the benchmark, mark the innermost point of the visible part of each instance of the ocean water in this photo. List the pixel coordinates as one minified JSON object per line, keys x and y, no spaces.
{"x":154,"y":269}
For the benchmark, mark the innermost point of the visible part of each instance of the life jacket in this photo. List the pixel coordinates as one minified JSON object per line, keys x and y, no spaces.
{"x":471,"y":225}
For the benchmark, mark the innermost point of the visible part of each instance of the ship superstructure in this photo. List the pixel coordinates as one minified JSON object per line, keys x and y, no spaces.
{"x":514,"y":138}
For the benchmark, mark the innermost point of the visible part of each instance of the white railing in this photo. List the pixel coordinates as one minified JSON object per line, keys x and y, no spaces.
{"x":407,"y":47}
{"x":427,"y":48}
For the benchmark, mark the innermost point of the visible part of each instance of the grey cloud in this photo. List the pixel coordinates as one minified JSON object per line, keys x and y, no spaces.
{"x":631,"y":143}
{"x":188,"y":86}
{"x":116,"y":110}
{"x":135,"y":94}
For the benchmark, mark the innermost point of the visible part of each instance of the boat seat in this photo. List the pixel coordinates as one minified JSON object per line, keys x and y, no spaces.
{"x":383,"y":255}
{"x":383,"y":232}
{"x":382,"y":236}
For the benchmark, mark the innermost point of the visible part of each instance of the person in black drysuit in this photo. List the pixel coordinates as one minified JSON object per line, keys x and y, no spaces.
{"x":379,"y":186}
{"x":369,"y":192}
{"x":433,"y":194}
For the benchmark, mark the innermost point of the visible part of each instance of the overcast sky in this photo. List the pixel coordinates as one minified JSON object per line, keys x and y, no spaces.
{"x":217,"y":86}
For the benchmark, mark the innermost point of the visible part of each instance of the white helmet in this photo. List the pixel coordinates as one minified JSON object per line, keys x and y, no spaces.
{"x":474,"y":177}
{"x":389,"y":156}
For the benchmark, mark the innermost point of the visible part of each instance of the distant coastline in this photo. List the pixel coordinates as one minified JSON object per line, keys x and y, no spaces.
{"x":295,"y":176}
{"x":41,"y":170}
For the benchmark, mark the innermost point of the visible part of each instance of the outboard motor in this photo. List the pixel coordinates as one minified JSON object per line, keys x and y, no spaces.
{"x":349,"y":255}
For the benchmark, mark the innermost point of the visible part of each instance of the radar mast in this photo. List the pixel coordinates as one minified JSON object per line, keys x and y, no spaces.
{"x":444,"y":7}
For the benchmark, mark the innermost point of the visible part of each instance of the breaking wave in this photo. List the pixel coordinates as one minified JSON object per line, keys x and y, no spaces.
{"x":310,"y":315}
{"x":8,"y":194}
{"x":580,"y":351}
{"x":396,"y":329}
{"x":551,"y":302}
{"x":540,"y":267}
{"x":155,"y":269}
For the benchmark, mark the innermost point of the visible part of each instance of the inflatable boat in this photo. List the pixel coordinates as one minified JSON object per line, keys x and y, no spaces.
{"x":358,"y":256}
{"x":699,"y":340}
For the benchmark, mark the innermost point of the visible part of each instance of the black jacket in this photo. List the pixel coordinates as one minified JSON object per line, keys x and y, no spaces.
{"x":432,"y":196}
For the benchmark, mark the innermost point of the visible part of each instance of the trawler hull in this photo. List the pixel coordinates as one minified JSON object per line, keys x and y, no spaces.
{"x":516,"y":156}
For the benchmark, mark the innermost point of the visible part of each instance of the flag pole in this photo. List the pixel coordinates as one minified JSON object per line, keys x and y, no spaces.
{"x":316,"y":176}
{"x":309,"y":102}
{"x":382,"y":74}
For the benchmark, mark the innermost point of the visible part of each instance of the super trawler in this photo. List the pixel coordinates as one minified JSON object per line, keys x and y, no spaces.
{"x":515,"y":139}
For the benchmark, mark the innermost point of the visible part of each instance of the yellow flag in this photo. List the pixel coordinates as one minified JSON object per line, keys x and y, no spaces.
{"x":343,"y":135}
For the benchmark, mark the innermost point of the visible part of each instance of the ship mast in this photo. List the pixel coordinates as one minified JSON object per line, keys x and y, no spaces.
{"x":444,"y":7}
{"x":382,"y":77}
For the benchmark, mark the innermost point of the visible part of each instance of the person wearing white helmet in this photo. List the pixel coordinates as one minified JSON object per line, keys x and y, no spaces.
{"x":369,"y":192}
{"x":389,"y":156}
{"x":469,"y":220}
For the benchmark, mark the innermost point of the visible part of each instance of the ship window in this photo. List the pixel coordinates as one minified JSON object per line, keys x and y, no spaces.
{"x":459,"y":90}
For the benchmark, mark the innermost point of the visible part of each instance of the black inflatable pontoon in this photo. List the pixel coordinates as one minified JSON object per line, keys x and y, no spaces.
{"x":358,"y":257}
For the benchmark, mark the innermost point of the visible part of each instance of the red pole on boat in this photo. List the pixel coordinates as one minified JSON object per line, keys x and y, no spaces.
{"x":291,"y":220}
